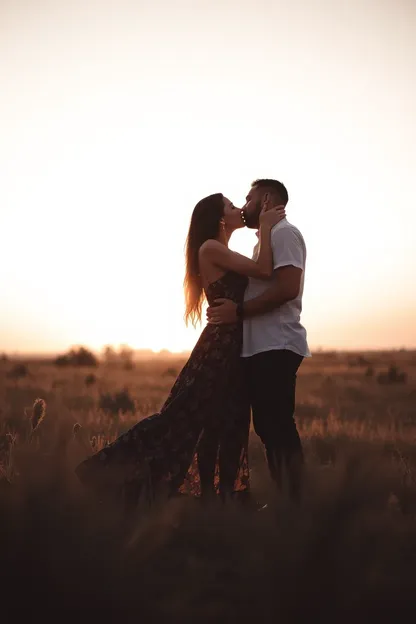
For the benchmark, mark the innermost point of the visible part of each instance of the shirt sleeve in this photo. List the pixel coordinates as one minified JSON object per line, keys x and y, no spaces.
{"x":287,"y":249}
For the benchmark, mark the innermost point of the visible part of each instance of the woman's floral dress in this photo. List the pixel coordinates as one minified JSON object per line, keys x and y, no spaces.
{"x":197,"y":443}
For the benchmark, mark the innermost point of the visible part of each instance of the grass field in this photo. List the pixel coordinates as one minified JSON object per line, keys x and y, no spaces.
{"x":347,"y":554}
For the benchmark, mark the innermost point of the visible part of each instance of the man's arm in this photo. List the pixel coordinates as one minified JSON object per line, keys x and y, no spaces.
{"x":284,"y":287}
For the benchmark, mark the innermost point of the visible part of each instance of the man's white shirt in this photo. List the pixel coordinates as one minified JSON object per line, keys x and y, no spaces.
{"x":281,"y":328}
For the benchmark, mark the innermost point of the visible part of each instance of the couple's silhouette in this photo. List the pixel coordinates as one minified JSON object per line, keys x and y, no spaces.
{"x":245,"y":361}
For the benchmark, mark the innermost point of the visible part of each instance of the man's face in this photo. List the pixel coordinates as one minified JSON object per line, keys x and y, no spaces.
{"x":252,"y":207}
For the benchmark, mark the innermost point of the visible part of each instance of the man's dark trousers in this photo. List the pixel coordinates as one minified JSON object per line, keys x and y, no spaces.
{"x":271,"y":380}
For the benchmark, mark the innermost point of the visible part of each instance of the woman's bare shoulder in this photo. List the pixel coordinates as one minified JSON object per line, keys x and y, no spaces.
{"x":211,"y":245}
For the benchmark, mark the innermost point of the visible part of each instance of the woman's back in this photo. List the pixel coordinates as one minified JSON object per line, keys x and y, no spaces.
{"x":229,"y":286}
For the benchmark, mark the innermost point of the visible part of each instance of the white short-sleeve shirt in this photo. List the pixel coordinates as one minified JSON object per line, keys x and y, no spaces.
{"x":281,"y":328}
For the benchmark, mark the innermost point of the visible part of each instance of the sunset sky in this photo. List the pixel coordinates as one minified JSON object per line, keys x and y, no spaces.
{"x":116,"y":117}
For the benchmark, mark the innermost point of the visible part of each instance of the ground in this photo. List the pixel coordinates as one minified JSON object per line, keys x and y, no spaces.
{"x":347,"y":553}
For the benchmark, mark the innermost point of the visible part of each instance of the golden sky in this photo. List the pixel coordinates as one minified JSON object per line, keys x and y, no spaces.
{"x":116,"y":117}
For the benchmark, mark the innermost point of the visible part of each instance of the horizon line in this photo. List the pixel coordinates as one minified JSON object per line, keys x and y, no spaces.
{"x":317,"y":350}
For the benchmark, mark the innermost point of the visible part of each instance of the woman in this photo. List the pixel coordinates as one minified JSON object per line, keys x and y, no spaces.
{"x":198,"y":441}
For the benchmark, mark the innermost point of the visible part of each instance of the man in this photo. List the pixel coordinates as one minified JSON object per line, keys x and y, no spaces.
{"x":274,"y":341}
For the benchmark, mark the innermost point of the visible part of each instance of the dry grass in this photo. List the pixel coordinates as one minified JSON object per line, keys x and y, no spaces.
{"x":347,"y":554}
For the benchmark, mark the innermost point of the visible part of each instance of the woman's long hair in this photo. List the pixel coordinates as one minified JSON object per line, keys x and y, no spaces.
{"x":205,"y":224}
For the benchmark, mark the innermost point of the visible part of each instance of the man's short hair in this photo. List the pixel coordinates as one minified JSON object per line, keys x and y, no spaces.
{"x":275,"y":187}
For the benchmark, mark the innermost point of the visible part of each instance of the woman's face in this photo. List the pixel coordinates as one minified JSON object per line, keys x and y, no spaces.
{"x":232,"y":216}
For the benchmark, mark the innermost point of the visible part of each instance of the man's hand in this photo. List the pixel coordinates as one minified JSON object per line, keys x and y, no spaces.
{"x":224,"y":312}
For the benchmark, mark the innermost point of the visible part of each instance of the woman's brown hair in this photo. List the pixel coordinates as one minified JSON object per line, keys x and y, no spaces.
{"x":205,"y":224}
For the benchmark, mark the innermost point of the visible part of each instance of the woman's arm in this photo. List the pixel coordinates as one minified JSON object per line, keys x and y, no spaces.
{"x":222,"y":257}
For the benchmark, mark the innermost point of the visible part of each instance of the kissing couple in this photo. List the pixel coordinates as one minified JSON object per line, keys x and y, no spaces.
{"x":245,"y":362}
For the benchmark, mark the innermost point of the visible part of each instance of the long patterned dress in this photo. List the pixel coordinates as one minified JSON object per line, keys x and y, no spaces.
{"x":197,"y":443}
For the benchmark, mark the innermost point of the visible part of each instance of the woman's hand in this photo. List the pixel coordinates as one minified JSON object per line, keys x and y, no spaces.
{"x":271,"y":216}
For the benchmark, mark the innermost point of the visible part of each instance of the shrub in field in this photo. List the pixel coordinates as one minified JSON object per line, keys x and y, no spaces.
{"x":19,"y":371}
{"x":358,"y":361}
{"x":118,"y":402}
{"x":124,"y":356}
{"x":62,"y":360}
{"x":393,"y":376}
{"x":77,"y":357}
{"x":90,"y":380}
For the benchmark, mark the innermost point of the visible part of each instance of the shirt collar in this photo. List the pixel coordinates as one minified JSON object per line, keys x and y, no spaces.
{"x":277,"y":226}
{"x":280,"y":224}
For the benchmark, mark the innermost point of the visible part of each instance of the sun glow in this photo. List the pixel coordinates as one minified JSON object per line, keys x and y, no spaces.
{"x":115,"y":123}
